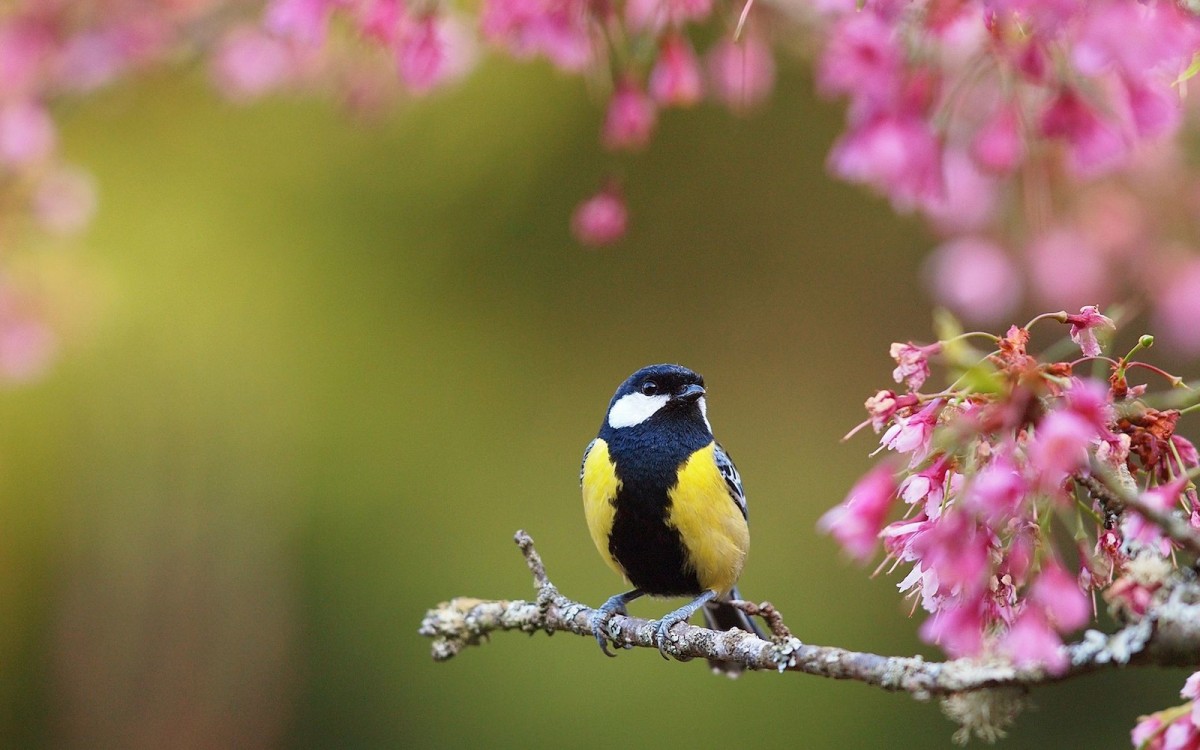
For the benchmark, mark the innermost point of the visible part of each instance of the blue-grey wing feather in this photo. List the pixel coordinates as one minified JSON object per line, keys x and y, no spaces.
{"x":733,"y":480}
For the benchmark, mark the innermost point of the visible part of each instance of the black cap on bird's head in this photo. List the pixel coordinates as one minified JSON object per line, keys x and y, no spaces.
{"x":659,"y":392}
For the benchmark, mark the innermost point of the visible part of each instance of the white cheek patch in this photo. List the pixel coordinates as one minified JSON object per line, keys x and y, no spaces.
{"x":704,"y":413}
{"x":634,"y":408}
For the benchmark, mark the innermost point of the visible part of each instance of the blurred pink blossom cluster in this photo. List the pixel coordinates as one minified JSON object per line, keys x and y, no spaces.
{"x":1044,"y":142}
{"x":643,"y":47}
{"x":1041,"y":140}
{"x":1002,"y":539}
{"x":646,"y":48}
{"x":51,"y":50}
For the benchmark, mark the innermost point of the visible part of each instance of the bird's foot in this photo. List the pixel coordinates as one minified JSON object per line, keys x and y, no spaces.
{"x":599,"y":621}
{"x":662,"y":634}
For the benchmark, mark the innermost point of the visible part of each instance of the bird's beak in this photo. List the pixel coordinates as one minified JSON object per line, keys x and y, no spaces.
{"x":690,"y":394}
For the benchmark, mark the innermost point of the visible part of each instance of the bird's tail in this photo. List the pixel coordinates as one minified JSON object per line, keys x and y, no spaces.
{"x":720,"y":615}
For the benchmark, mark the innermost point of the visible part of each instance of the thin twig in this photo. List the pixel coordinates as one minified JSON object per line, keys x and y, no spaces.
{"x":767,"y":611}
{"x":1169,"y":635}
{"x":1115,"y":498}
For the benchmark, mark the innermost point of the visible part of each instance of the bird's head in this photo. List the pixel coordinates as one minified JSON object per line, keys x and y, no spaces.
{"x":659,"y":393}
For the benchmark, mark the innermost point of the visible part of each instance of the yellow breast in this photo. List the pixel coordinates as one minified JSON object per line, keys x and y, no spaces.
{"x":715,"y":534}
{"x":600,"y":487}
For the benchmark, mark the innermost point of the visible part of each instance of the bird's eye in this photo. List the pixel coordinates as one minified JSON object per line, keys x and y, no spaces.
{"x":649,"y":388}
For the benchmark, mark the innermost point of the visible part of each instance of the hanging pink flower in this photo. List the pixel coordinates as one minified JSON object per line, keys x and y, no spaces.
{"x":631,"y":117}
{"x":857,"y":521}
{"x":602,"y":219}
{"x":1083,"y":328}
{"x":741,"y":74}
{"x":675,"y":79}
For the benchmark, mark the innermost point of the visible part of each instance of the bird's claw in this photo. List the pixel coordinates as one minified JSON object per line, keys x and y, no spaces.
{"x":599,"y":622}
{"x":662,"y":635}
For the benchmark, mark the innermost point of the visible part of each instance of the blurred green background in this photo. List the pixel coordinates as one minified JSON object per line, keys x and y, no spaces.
{"x":335,"y":366}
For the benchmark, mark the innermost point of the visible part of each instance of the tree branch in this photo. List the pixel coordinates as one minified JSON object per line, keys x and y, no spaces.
{"x":1169,"y":635}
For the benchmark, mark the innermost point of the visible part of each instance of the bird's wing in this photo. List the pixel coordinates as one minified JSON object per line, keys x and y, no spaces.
{"x":583,"y":463}
{"x":733,"y":480}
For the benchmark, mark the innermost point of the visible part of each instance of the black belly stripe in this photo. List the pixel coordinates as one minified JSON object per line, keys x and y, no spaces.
{"x":651,"y":552}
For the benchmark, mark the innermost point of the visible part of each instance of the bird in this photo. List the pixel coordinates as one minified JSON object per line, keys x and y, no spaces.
{"x":665,"y":506}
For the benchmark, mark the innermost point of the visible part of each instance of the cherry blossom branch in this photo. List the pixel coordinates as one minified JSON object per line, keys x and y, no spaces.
{"x":1168,"y":635}
{"x":1113,"y":497}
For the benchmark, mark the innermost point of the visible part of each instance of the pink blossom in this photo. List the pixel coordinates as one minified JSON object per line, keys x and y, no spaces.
{"x":27,"y":133}
{"x":382,"y":19}
{"x":26,"y":49}
{"x":928,"y":486}
{"x":631,"y":117}
{"x":883,"y":406}
{"x":898,"y":539}
{"x":1181,"y":735}
{"x":857,"y":521}
{"x":957,"y":629}
{"x":741,"y":74}
{"x":1147,"y":735}
{"x":862,"y":59}
{"x":1155,"y":110}
{"x":556,"y":29}
{"x":602,"y":219}
{"x":1188,"y":456}
{"x":898,"y":155}
{"x":1044,"y":16}
{"x":421,"y":56}
{"x":1191,"y":688}
{"x":1113,"y":449}
{"x":1131,"y":596}
{"x":1058,"y":595}
{"x":1060,"y":446}
{"x":1092,"y":400}
{"x":912,"y":363}
{"x":305,"y":21}
{"x":1134,"y":38}
{"x":974,"y":278}
{"x":249,"y":63}
{"x":1094,"y":145}
{"x":93,"y":59}
{"x":957,"y":550}
{"x":1083,"y":328}
{"x":1165,"y":498}
{"x":912,"y":434}
{"x":998,"y":145}
{"x":1033,"y":642}
{"x":675,"y":79}
{"x":1032,"y":60}
{"x":997,"y":490}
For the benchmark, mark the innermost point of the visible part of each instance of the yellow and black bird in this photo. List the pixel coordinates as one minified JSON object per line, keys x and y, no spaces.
{"x":664,"y":503}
